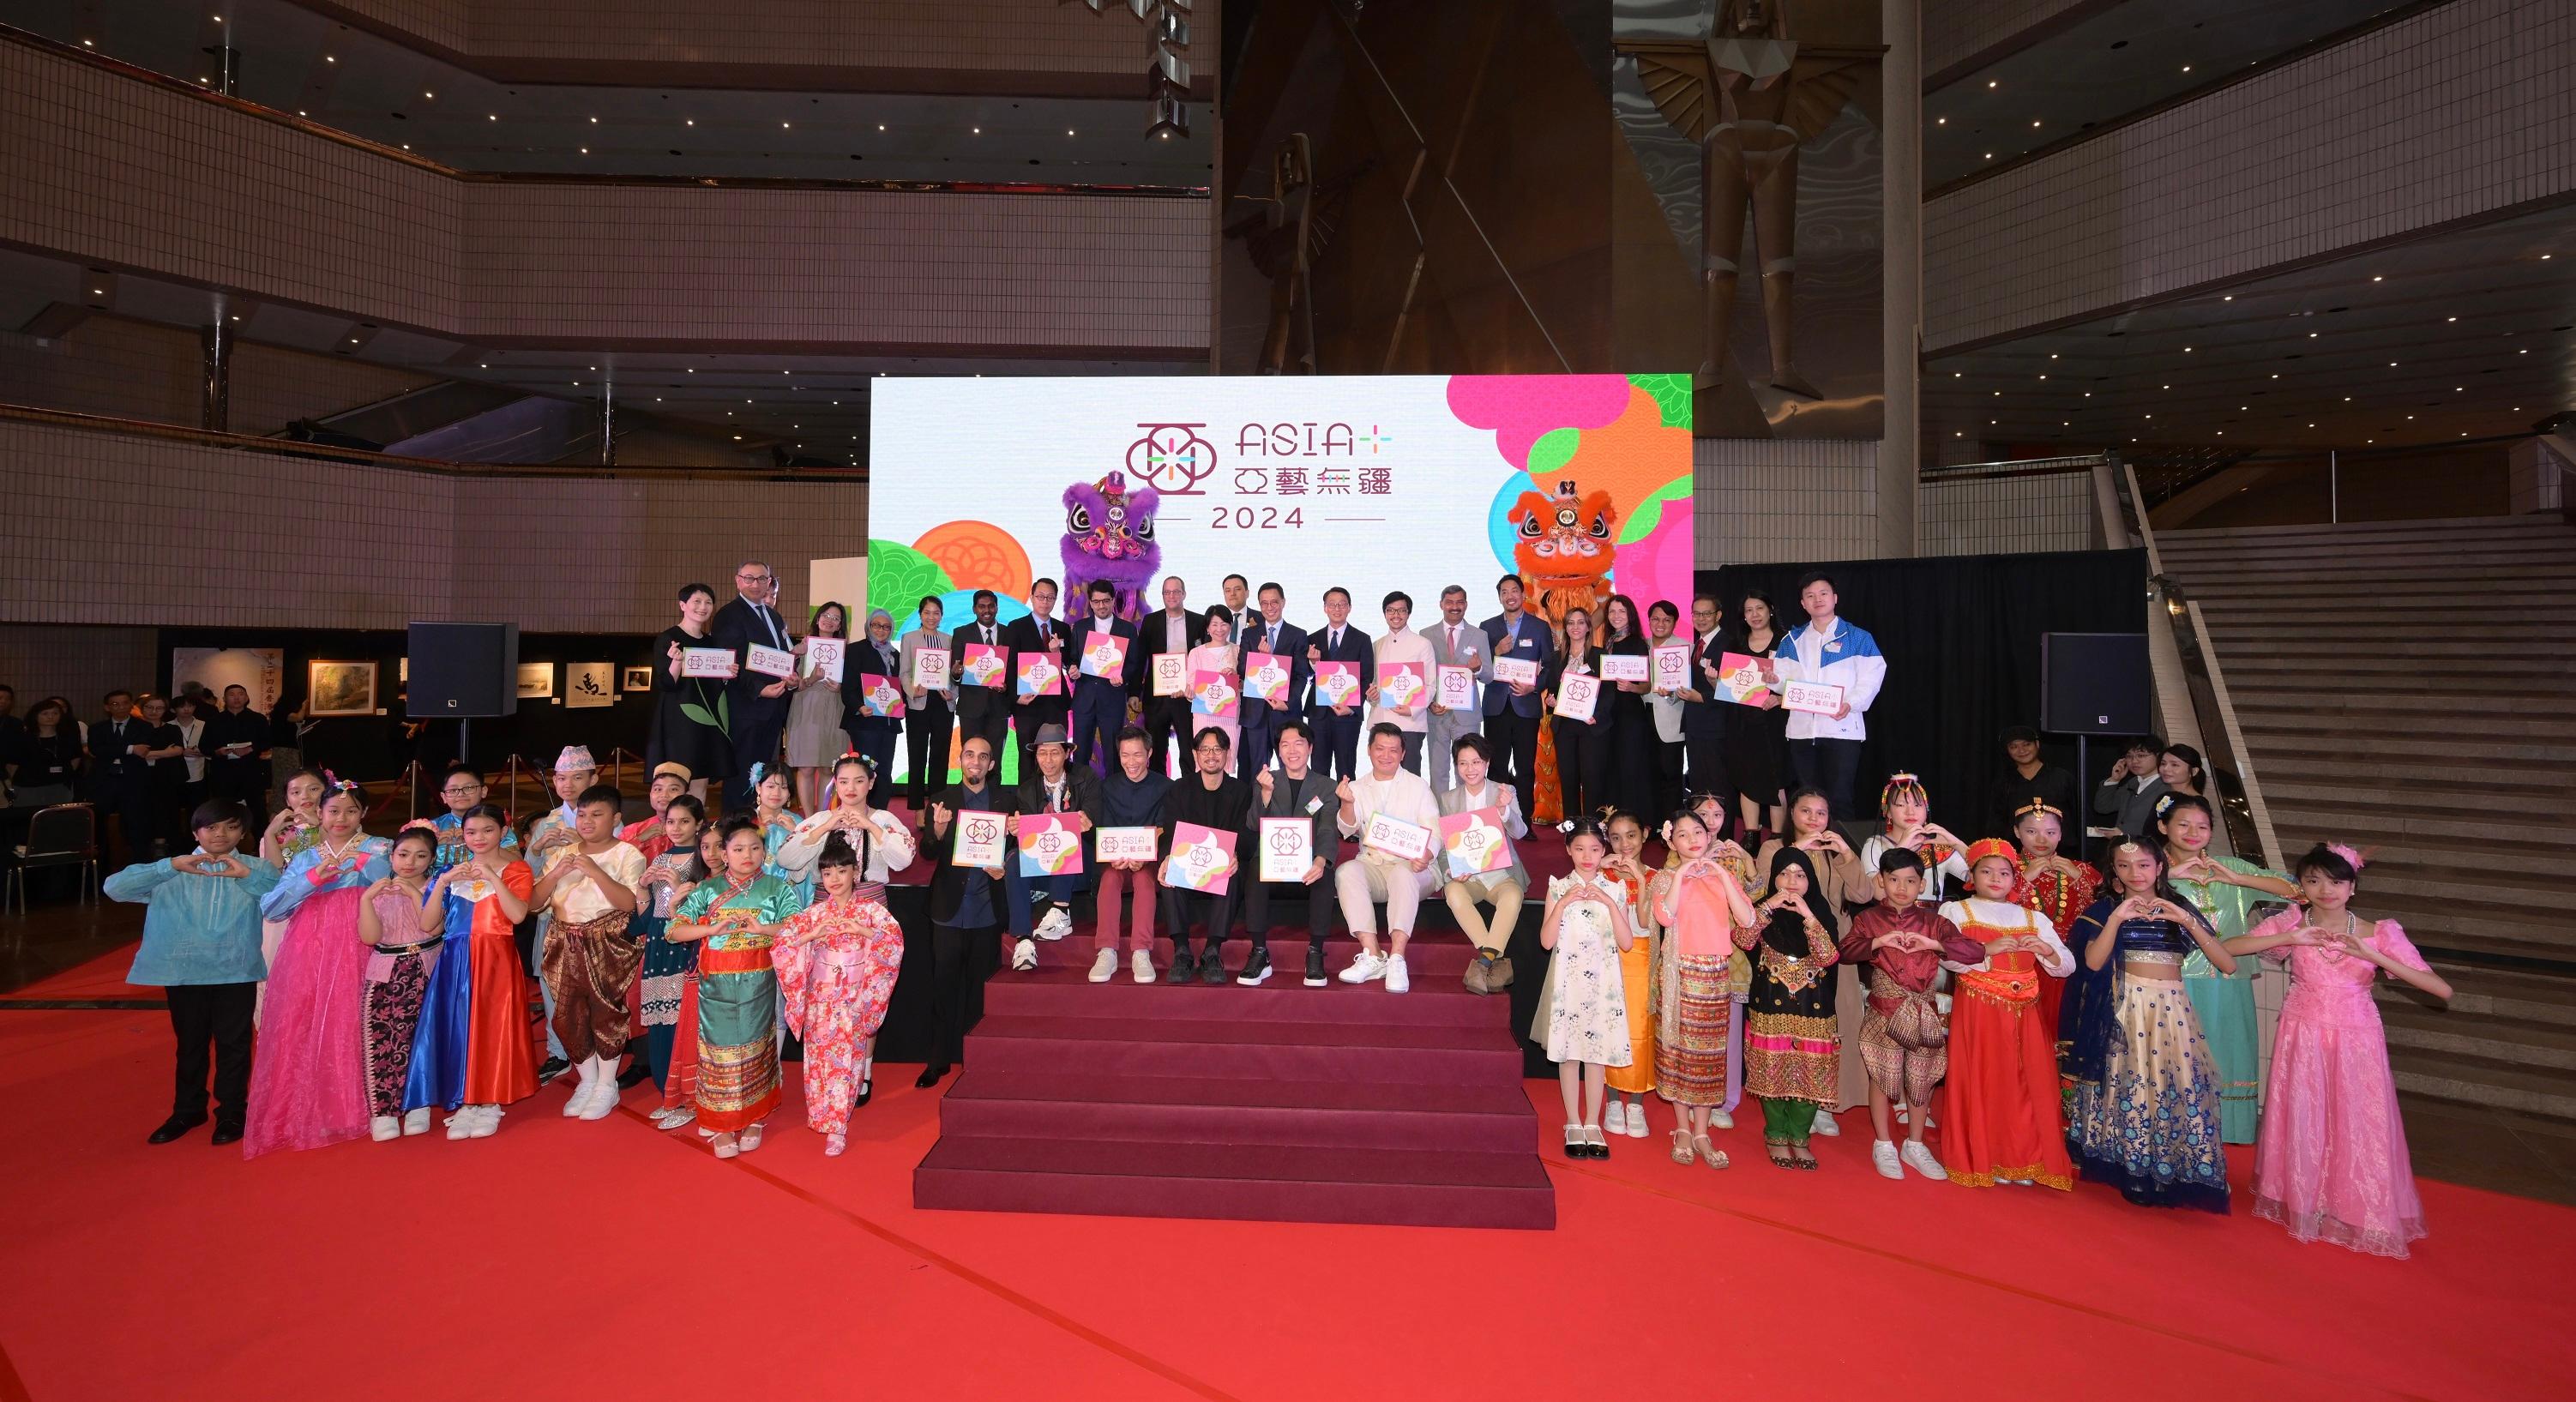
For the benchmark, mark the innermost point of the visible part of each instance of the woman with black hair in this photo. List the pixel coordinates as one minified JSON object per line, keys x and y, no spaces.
{"x":2179,"y":765}
{"x":1792,"y":1053}
{"x":2332,"y":1162}
{"x":1757,"y":739}
{"x":2227,"y":892}
{"x":691,"y":719}
{"x":1582,"y":746}
{"x":2146,"y":1088}
{"x":1630,"y":782}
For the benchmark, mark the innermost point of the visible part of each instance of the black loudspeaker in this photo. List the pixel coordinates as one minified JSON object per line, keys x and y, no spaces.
{"x":2089,"y":684}
{"x":463,"y":669}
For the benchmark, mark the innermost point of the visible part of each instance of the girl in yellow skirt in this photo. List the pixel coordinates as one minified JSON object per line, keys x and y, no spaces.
{"x":1636,"y":970}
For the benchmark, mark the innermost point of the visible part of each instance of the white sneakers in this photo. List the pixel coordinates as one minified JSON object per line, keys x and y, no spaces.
{"x":1397,"y":980}
{"x":1104,"y":965}
{"x":1364,"y":967}
{"x":1024,"y":957}
{"x":1637,"y":1120}
{"x":383,"y":1127}
{"x":1825,"y":1124}
{"x":1719,"y":1119}
{"x":1882,"y":1156}
{"x":1918,"y":1157}
{"x":474,"y":1122}
{"x":596,"y":1096}
{"x":1614,"y":1116}
{"x":1055,"y":926}
{"x":1141,"y":965}
{"x":416,"y":1122}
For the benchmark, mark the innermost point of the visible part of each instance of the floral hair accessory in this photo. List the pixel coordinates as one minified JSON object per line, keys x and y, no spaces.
{"x":2352,"y":855}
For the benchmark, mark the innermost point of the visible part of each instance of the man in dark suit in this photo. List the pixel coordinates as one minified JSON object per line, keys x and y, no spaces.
{"x":1337,"y":728}
{"x":1174,"y":629}
{"x":1100,"y":703}
{"x":1512,"y":709}
{"x":981,"y":710}
{"x":121,"y":776}
{"x":1238,"y":608}
{"x":1703,"y":712}
{"x":1040,"y":631}
{"x":1269,"y":632}
{"x":233,"y":741}
{"x":1041,"y":907}
{"x":757,"y":703}
{"x":965,"y":902}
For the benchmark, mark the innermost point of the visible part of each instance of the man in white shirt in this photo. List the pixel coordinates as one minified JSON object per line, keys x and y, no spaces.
{"x":1174,"y":630}
{"x":1402,"y":646}
{"x":592,"y":888}
{"x":1387,"y":788}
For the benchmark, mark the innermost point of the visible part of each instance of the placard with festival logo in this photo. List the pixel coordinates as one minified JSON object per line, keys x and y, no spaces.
{"x":1049,"y":846}
{"x":979,"y":839}
{"x":1040,"y":676}
{"x":1265,"y":678}
{"x":1287,"y":848}
{"x":984,"y":664}
{"x":1104,"y":655}
{"x":1474,"y":842}
{"x":1202,"y":859}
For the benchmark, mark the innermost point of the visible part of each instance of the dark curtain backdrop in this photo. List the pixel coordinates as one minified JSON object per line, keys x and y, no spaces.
{"x":1961,"y":636}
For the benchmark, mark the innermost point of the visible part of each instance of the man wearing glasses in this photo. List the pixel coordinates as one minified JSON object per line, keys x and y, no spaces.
{"x":758,"y":703}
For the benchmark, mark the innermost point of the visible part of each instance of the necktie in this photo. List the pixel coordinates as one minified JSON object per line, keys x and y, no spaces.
{"x":1453,"y":639}
{"x":1336,"y":643}
{"x":1272,"y":645}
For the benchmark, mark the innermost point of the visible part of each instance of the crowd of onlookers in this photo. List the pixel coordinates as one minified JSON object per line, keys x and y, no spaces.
{"x":143,"y":762}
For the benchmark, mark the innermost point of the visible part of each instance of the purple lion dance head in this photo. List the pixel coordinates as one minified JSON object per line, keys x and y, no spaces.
{"x":1109,"y":535}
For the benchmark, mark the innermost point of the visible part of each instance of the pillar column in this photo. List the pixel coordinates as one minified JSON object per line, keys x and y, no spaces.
{"x":1900,"y":444}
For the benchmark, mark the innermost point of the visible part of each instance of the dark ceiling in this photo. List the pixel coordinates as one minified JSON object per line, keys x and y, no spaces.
{"x":2121,"y":61}
{"x":2469,"y":333}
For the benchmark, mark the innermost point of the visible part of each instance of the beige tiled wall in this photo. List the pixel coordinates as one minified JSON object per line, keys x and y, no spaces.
{"x":1762,"y":501}
{"x":111,"y":529}
{"x":1955,"y":31}
{"x":1006,"y":35}
{"x":2463,"y":109}
{"x":114,"y":172}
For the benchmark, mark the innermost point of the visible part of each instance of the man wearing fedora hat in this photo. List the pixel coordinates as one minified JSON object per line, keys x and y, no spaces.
{"x":1056,"y":787}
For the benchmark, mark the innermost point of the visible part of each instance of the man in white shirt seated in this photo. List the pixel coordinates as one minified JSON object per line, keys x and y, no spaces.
{"x":1386,"y":788}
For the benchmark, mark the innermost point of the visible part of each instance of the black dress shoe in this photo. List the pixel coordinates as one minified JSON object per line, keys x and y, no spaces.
{"x":1184,"y":968}
{"x":929,"y":1077}
{"x":1212,"y":968}
{"x":229,"y":1132}
{"x":550,"y":1068}
{"x":175,"y":1126}
{"x":867,"y":1090}
{"x":635,"y":1075}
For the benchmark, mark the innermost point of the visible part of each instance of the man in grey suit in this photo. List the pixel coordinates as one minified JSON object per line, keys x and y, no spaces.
{"x":1455,"y":642}
{"x":1511,"y":711}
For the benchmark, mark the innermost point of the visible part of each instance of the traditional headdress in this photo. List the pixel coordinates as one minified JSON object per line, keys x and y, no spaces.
{"x":1902,"y":785}
{"x":2037,"y":805}
{"x":1985,"y":847}
{"x":575,"y":759}
{"x":675,"y":769}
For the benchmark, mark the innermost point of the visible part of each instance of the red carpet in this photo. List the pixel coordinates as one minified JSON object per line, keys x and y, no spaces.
{"x":579,"y":1260}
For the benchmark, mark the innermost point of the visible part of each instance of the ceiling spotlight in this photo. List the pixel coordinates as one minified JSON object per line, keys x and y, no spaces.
{"x":493,"y":118}
{"x":688,"y":121}
{"x":2034,"y":126}
{"x":326,"y":58}
{"x":594,"y":121}
{"x":1990,"y":85}
{"x":2186,"y":68}
{"x":1940,"y":121}
{"x":430,"y":95}
{"x":881,"y":126}
{"x":2377,"y":277}
{"x":782,"y":126}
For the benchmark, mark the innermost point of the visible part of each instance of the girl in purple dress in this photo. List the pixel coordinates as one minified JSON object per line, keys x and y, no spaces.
{"x":2331,"y":1162}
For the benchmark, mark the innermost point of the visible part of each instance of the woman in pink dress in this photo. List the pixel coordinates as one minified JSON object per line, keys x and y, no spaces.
{"x":308,"y":1080}
{"x":2331,"y":1162}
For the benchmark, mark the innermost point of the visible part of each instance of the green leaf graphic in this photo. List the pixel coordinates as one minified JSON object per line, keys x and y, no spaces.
{"x":1671,"y":393}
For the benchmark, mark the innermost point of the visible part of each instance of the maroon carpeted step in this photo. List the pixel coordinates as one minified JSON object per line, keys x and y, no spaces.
{"x":1268,"y":1183}
{"x":1439,"y":954}
{"x":989,"y":1104}
{"x":1066,"y":991}
{"x":1152,"y":1046}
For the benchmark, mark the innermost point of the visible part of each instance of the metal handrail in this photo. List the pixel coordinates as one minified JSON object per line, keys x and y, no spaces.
{"x":362,"y":457}
{"x":2232,"y":784}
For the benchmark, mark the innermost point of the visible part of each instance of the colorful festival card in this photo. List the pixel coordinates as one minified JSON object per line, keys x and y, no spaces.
{"x":1040,"y":676}
{"x":1672,"y":667}
{"x":1474,"y":841}
{"x":1202,"y":859}
{"x":1336,"y":683}
{"x":1577,"y":696}
{"x":984,"y":664}
{"x":1212,"y":693}
{"x":1740,"y":677}
{"x":1048,"y":845}
{"x":1125,"y":844}
{"x":1104,"y":655}
{"x":979,"y":839}
{"x":1287,"y":848}
{"x":1265,"y":678}
{"x":1401,"y":684}
{"x":879,"y":696}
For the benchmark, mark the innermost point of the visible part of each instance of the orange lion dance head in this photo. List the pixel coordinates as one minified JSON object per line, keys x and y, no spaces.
{"x":1567,"y":543}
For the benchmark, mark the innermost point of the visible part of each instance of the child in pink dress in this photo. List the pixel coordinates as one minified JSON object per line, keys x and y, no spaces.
{"x":2331,"y":1163}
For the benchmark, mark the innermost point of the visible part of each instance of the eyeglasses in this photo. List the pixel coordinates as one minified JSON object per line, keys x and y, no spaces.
{"x":756,"y":578}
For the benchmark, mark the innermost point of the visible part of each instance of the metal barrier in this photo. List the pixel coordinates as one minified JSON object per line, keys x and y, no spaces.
{"x":1997,"y":508}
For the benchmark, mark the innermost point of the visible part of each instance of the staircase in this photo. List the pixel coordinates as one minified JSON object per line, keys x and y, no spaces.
{"x":2411,"y":687}
{"x":1277,"y":1103}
